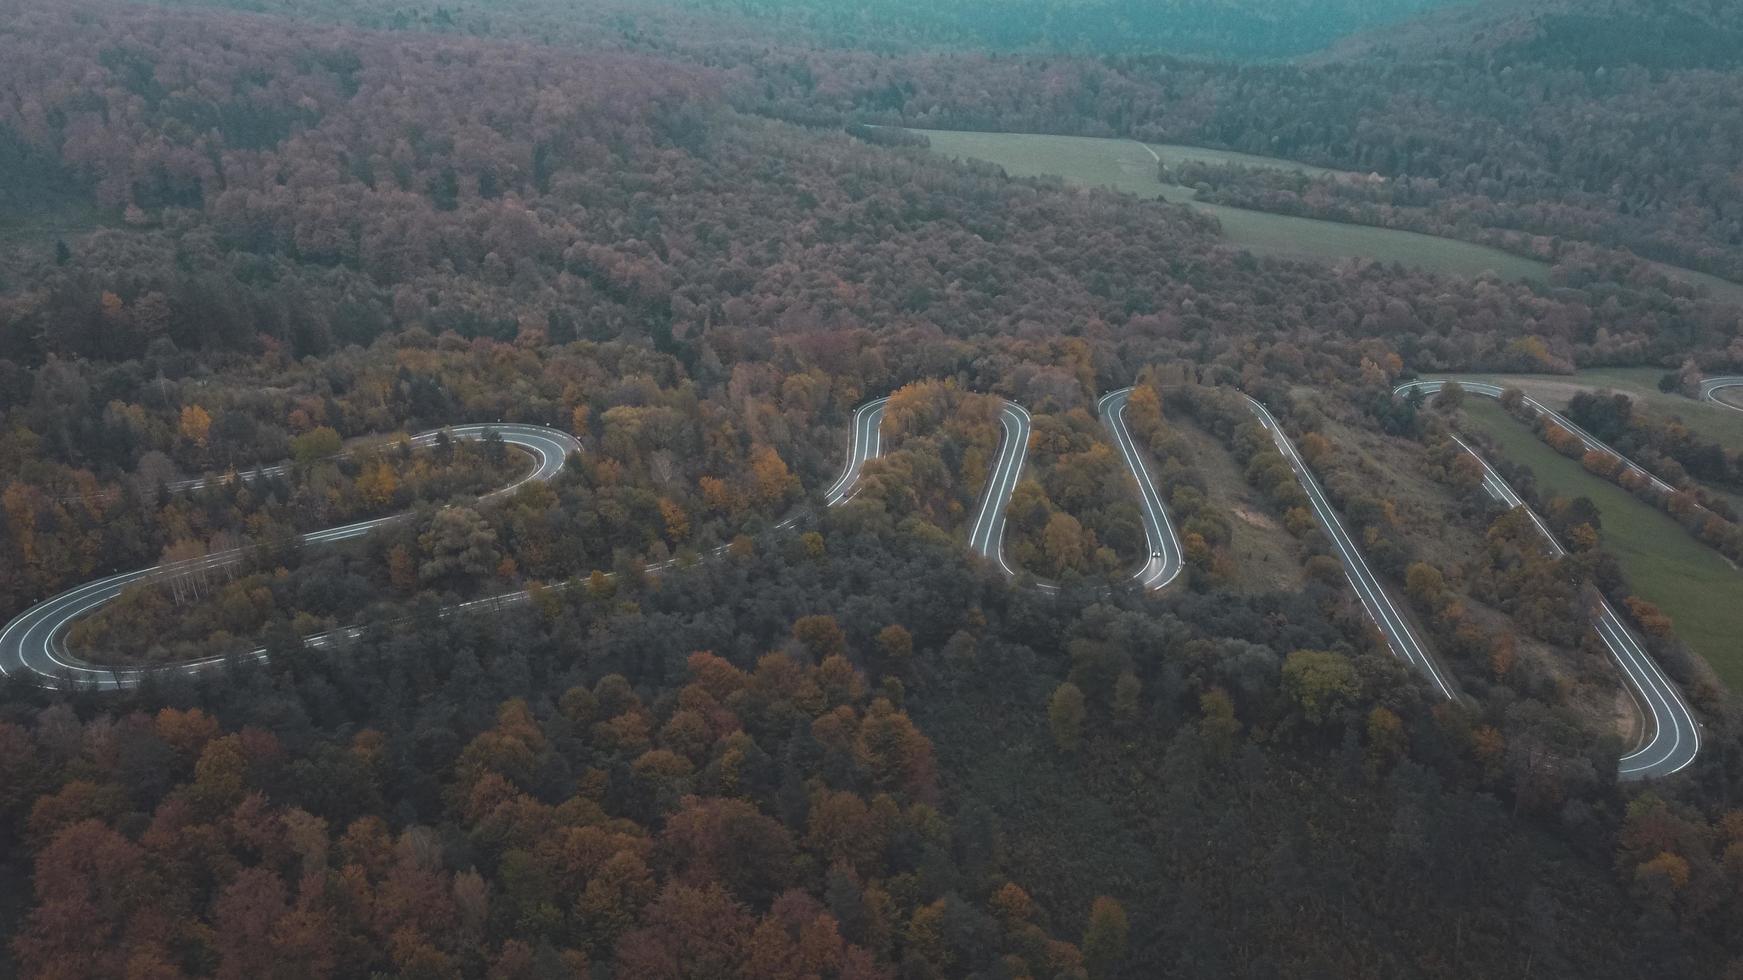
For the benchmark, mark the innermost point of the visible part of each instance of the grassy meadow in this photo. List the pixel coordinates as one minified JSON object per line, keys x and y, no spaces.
{"x":1130,"y":166}
{"x":1715,"y":422}
{"x":1691,"y":582}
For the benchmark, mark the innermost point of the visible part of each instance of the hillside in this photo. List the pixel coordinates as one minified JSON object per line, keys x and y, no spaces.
{"x":587,"y":490}
{"x":1582,"y":34}
{"x":1243,"y":30}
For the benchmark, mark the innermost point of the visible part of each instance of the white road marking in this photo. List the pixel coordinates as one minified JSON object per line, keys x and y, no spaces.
{"x":1394,"y":626}
{"x":1676,"y":734}
{"x":33,"y":640}
{"x":1159,"y":530}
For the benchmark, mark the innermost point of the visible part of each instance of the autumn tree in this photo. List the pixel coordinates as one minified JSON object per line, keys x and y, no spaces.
{"x":459,"y":545}
{"x":1063,"y":543}
{"x":1105,"y":938}
{"x":896,"y":645}
{"x":196,"y":425}
{"x":821,"y":635}
{"x":1065,"y":716}
{"x":770,"y":481}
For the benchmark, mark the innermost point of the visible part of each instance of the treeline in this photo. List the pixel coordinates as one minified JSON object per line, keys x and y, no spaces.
{"x":625,"y":215}
{"x":1688,"y":505}
{"x":1467,"y":147}
{"x":1666,"y":446}
{"x":1238,"y":30}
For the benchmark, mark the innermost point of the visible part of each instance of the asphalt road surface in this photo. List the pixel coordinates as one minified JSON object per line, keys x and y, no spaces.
{"x":1399,"y":637}
{"x":1711,"y":387}
{"x":34,"y":643}
{"x":1675,"y":735}
{"x":1165,"y":558}
{"x":987,"y":537}
{"x":868,"y":443}
{"x":1591,"y":443}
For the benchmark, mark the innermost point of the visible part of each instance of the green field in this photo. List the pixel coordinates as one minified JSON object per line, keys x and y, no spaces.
{"x":1722,"y":425}
{"x":33,"y":216}
{"x":1723,"y":289}
{"x":1121,"y":165}
{"x":1692,"y":583}
{"x":1130,"y":166}
{"x":1704,"y":419}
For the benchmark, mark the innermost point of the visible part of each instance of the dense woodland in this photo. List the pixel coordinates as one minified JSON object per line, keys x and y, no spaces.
{"x":497,"y":795}
{"x":1075,"y":512}
{"x":1611,"y":123}
{"x":713,"y":746}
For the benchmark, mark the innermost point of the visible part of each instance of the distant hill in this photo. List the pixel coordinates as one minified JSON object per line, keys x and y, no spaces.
{"x":1228,"y":29}
{"x":1583,"y":34}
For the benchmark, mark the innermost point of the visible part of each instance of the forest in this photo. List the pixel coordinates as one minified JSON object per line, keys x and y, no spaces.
{"x":725,"y":730}
{"x":1227,"y":30}
{"x":1484,"y":119}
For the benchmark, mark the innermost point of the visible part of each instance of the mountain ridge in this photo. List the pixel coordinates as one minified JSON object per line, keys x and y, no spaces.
{"x":1582,"y":34}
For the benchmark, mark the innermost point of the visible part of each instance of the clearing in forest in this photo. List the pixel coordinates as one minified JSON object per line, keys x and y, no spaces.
{"x":1129,"y":166}
{"x":1267,"y":558}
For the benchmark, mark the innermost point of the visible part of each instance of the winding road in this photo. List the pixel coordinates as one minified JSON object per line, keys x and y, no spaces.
{"x":1589,"y":441}
{"x":1675,"y":734}
{"x":1393,"y":625}
{"x":1165,"y":559}
{"x":1711,"y":387}
{"x":34,"y":643}
{"x":987,"y":537}
{"x":868,"y":420}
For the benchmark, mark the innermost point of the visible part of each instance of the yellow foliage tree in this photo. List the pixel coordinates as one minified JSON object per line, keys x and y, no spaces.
{"x":717,"y":495}
{"x":1062,"y":541}
{"x":196,"y":425}
{"x":770,"y":479}
{"x":378,"y":483}
{"x":677,"y":522}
